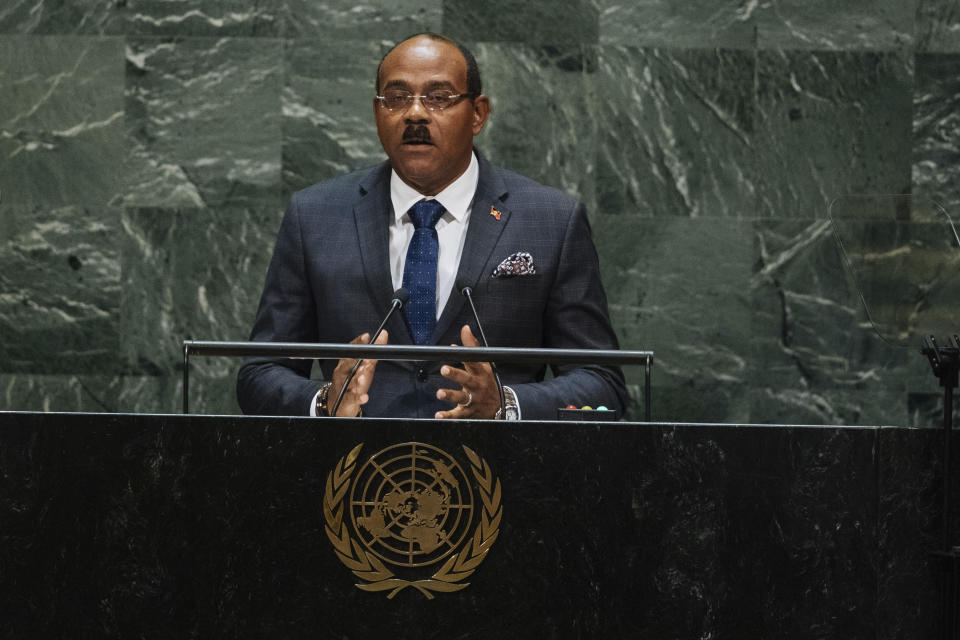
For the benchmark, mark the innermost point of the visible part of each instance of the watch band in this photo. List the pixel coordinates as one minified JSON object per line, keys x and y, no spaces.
{"x":511,"y":407}
{"x":322,"y":396}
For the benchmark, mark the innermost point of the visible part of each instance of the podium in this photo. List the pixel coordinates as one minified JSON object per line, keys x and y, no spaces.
{"x":173,"y":526}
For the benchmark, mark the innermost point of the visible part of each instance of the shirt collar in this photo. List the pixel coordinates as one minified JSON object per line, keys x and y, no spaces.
{"x":456,"y":198}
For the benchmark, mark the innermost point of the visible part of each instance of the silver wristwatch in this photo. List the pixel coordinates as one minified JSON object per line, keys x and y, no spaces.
{"x":511,"y":407}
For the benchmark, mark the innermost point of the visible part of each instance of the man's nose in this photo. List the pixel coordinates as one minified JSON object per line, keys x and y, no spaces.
{"x":417,"y":112}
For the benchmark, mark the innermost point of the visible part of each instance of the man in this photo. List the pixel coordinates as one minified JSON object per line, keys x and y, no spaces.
{"x":435,"y":214}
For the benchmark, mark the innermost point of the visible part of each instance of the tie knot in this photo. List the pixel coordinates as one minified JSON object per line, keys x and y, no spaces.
{"x":426,"y":213}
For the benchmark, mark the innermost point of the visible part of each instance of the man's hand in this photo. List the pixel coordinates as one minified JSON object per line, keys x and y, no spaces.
{"x":356,"y":395}
{"x":477,"y":396}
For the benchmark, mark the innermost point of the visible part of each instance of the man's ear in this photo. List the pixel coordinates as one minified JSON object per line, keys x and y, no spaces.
{"x":481,"y":111}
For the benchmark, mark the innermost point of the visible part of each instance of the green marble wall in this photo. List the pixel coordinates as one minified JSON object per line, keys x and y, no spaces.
{"x":147,"y":148}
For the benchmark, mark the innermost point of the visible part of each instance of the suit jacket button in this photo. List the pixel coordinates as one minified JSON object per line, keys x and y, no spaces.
{"x":421,"y":375}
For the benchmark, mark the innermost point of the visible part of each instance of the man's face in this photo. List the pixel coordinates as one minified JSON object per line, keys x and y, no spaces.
{"x":428,"y":149}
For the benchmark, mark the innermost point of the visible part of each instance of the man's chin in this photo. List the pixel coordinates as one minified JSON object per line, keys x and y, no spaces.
{"x":417,"y":160}
{"x":423,"y":176}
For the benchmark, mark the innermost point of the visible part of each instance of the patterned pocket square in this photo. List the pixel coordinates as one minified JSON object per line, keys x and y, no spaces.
{"x":519,"y":264}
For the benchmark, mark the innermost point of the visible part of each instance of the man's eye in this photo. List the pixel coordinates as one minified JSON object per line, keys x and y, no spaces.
{"x":439,"y":99}
{"x":397,"y":98}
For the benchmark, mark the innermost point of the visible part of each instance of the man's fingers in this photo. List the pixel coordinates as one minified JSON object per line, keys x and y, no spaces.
{"x":356,"y":394}
{"x":455,"y":396}
{"x":459,"y":376}
{"x":467,"y":338}
{"x":455,"y":413}
{"x":345,"y":364}
{"x":478,"y":369}
{"x":362,"y":381}
{"x":381,"y":339}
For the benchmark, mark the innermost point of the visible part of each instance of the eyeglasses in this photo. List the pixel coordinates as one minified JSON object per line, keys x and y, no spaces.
{"x":432,"y":100}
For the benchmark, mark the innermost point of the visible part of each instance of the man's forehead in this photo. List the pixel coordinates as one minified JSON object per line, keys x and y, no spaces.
{"x":427,"y":85}
{"x":440,"y":60}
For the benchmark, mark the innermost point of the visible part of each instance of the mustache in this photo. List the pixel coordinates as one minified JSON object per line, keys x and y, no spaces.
{"x":416,"y":133}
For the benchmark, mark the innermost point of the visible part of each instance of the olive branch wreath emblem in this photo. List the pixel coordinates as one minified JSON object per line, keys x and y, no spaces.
{"x":371,"y":570}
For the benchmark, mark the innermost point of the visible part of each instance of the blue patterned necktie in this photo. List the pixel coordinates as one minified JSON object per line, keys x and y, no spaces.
{"x":420,"y":270}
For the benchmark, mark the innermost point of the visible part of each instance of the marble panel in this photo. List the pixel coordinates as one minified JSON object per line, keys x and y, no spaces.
{"x":62,"y":16}
{"x":213,"y":389}
{"x":59,"y":284}
{"x":695,"y":25}
{"x":143,"y":17}
{"x":191,"y":274}
{"x":818,"y":359}
{"x":61,"y":120}
{"x":54,"y":392}
{"x":385,"y":20}
{"x":938,"y":25}
{"x":908,"y":528}
{"x":563,"y":22}
{"x":171,"y":528}
{"x":925,"y":405}
{"x":869,"y":25}
{"x":936,"y":130}
{"x":328,"y":126}
{"x":830,"y":124}
{"x":541,"y":124}
{"x":681,"y":288}
{"x":201,"y":17}
{"x":713,"y":515}
{"x":204,"y":119}
{"x":209,"y":394}
{"x":675,"y":132}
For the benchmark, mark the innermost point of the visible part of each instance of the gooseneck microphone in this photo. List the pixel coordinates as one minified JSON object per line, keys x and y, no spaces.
{"x":399,"y":299}
{"x":467,"y":292}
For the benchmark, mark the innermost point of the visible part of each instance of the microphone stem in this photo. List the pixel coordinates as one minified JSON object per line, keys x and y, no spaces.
{"x":493,"y":365}
{"x":476,"y":317}
{"x":336,"y":405}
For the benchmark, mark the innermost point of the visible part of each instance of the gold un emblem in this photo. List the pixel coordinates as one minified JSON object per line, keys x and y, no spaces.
{"x":407,"y":509}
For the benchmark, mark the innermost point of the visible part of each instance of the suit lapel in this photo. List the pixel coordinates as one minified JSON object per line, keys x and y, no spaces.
{"x":372,"y":217}
{"x":482,"y":235}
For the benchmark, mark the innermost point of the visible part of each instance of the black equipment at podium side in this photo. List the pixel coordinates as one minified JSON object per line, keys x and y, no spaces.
{"x":945,"y":363}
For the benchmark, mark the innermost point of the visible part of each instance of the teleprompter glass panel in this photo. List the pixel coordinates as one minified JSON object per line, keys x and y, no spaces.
{"x":904,"y":255}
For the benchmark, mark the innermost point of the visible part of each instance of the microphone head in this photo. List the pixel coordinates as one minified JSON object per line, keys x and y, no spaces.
{"x":401,"y":295}
{"x":464,"y":287}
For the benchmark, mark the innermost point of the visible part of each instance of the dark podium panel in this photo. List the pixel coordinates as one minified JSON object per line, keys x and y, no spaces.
{"x":145,"y":526}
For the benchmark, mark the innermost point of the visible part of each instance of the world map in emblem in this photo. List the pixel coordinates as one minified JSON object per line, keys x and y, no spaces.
{"x":411,"y":505}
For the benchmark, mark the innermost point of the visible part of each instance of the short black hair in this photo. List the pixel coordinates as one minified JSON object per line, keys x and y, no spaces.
{"x":474,"y":85}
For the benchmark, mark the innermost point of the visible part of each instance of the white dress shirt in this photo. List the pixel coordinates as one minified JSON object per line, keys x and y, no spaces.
{"x":451,"y":228}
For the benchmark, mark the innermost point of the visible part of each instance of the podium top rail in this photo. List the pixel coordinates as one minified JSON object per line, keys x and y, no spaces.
{"x":430,"y":353}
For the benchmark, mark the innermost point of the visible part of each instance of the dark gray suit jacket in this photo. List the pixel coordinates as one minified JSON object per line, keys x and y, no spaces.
{"x":329,"y":281}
